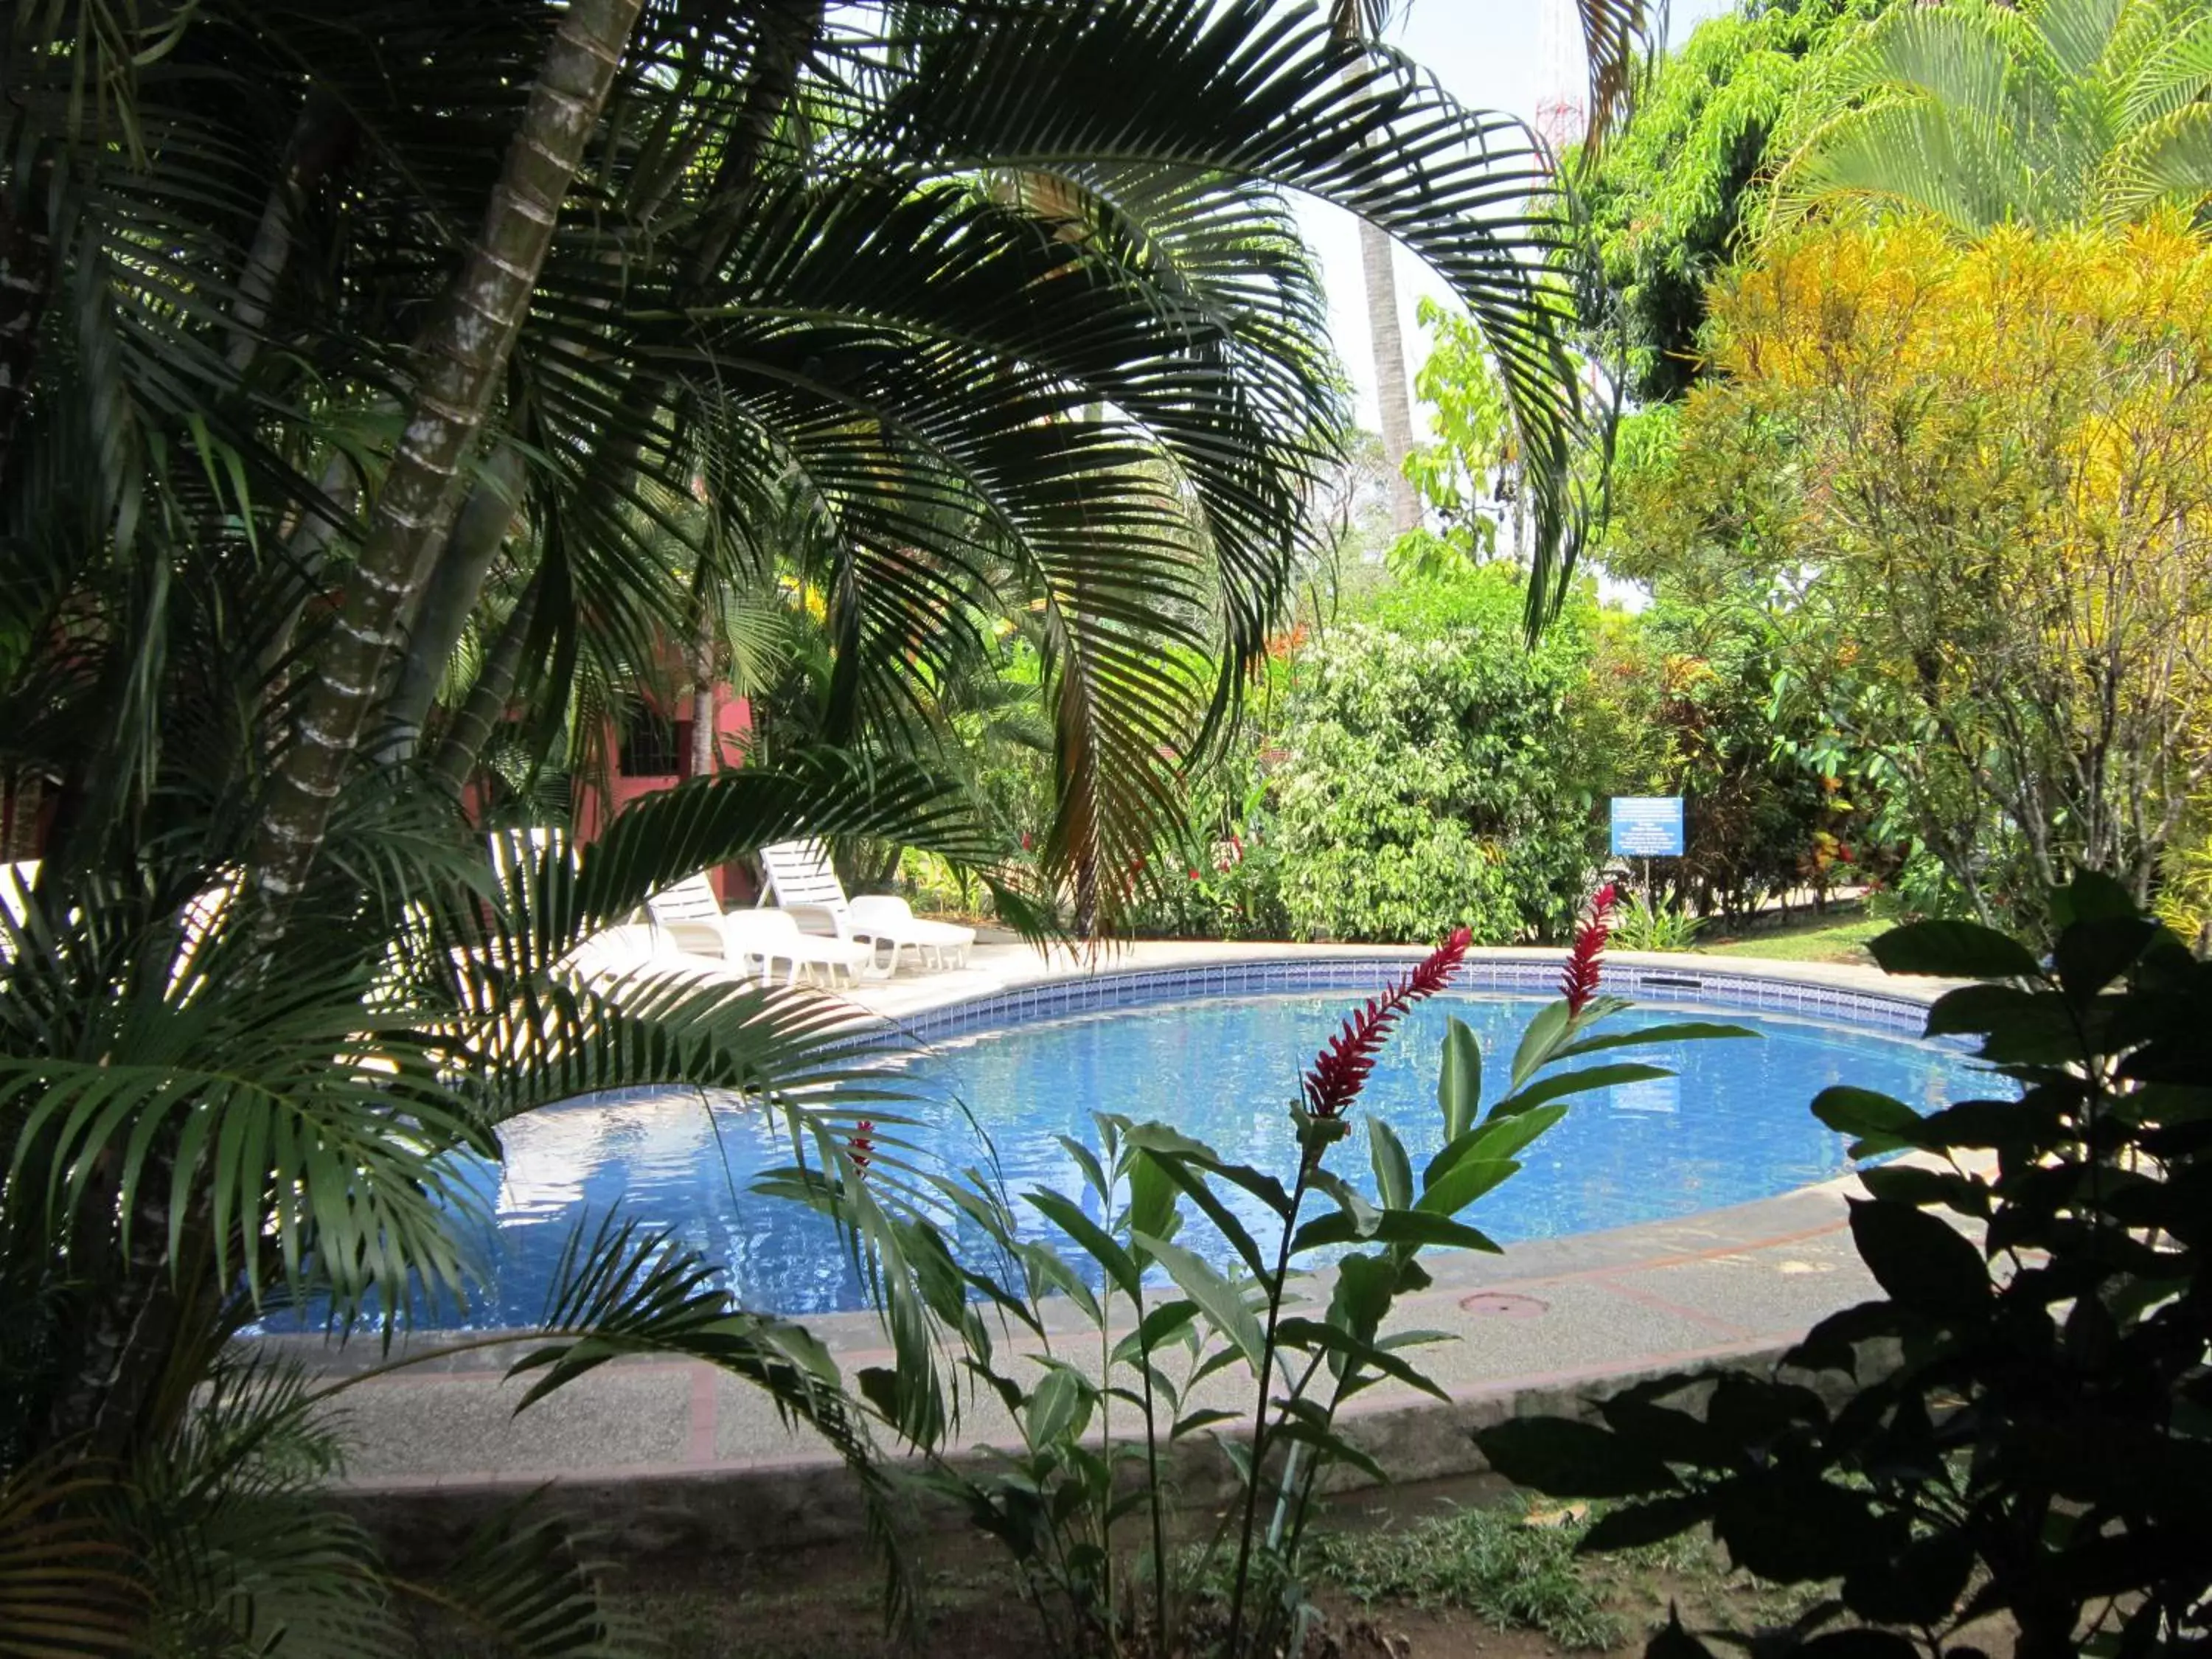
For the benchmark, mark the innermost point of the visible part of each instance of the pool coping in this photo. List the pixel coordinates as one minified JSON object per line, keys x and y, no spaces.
{"x":697,"y":1490}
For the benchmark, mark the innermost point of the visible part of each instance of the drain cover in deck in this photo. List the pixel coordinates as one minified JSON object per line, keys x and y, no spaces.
{"x":1501,"y":1303}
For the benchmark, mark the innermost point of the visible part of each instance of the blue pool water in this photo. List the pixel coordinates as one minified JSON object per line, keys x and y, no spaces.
{"x":1731,"y":1126}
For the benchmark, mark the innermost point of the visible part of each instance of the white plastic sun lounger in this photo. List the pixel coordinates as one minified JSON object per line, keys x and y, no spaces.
{"x":694,"y":920}
{"x":800,"y":874}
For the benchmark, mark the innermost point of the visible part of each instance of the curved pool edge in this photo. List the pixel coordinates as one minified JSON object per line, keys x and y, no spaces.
{"x":1011,"y":984}
{"x":672,"y":1458}
{"x":671,"y":1461}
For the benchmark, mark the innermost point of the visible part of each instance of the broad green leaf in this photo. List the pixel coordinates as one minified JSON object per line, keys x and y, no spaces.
{"x":1568,"y":1459}
{"x":1152,"y":1198}
{"x":1168,"y":1143}
{"x":1205,"y":1417}
{"x":2090,"y":955}
{"x":1577,"y":1083}
{"x":1221,"y":1302}
{"x":1881,"y":1122}
{"x":1953,"y":949}
{"x":1317,"y":1336}
{"x":1095,"y":1239}
{"x":1408,"y":1227}
{"x":1059,"y":1408}
{"x":1691,"y":1030}
{"x":1465,"y":1181}
{"x":1547,"y":1030}
{"x":1358,"y":1213}
{"x":1459,"y":1086}
{"x":1087,"y":1161}
{"x":1159,"y":1326}
{"x":1365,"y":1287}
{"x":1921,"y":1261}
{"x":1393,"y":1171}
{"x":2092,"y":896}
{"x":1500,"y":1139}
{"x":1191,"y":1178}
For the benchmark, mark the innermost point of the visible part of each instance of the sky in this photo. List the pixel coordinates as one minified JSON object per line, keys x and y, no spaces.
{"x":1489,"y":54}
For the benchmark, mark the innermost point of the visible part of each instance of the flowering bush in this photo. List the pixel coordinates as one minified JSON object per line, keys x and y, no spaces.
{"x":1111,"y":1423}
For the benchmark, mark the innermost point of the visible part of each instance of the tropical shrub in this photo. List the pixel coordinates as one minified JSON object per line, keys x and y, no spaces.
{"x":1683,"y":187}
{"x":1972,"y":487}
{"x":1646,"y":925}
{"x":1111,"y":1418}
{"x":2021,"y":1424}
{"x":1434,"y":768}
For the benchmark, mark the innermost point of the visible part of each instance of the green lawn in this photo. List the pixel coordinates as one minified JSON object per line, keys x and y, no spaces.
{"x":1819,"y":939}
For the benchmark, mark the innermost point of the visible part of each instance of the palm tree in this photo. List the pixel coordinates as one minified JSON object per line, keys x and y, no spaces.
{"x":319,"y":325}
{"x":2057,"y":112}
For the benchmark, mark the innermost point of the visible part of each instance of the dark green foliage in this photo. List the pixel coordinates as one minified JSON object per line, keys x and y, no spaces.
{"x":1433,"y":774}
{"x":1105,"y":1384}
{"x":2023,"y":1426}
{"x":1672,"y":195}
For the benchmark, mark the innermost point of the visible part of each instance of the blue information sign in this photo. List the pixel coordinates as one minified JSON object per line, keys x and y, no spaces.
{"x":1647,"y":826}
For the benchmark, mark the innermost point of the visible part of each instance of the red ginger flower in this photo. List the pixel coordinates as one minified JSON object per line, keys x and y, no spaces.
{"x":1578,"y":984}
{"x":1340,"y":1070}
{"x":862,"y":1145}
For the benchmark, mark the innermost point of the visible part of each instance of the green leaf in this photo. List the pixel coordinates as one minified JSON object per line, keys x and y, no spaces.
{"x":1097,"y":1243}
{"x":1882,"y":1123}
{"x":1953,"y":949}
{"x":1464,"y":1182}
{"x":1365,"y":1287}
{"x":1567,"y":1459}
{"x":1577,"y":1083}
{"x":2090,"y":955}
{"x":1547,"y":1030}
{"x":1692,"y":1030}
{"x":1171,"y":1145}
{"x":1058,"y":1409}
{"x":1087,"y":1161}
{"x":1413,"y":1228}
{"x":1190,"y":1177}
{"x":1221,"y":1302}
{"x":1974,"y":1009}
{"x":1459,"y":1086}
{"x":1921,"y":1261}
{"x":2091,"y":897}
{"x":1394,"y":1170}
{"x":1151,"y":1199}
{"x":1159,"y":1326}
{"x":1205,"y":1417}
{"x":1317,"y":1336}
{"x":1502,"y":1138}
{"x":1633,"y":1526}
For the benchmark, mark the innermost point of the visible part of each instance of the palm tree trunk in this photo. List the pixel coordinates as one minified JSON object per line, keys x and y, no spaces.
{"x":479,"y":531}
{"x":703,"y":690}
{"x":464,"y":352}
{"x":1393,"y":395}
{"x":469,"y":730}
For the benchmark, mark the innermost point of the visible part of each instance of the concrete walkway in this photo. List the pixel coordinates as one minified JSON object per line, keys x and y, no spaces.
{"x":666,"y":1455}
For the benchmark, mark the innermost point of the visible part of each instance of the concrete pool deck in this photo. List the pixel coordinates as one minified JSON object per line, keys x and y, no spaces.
{"x":673,"y":1455}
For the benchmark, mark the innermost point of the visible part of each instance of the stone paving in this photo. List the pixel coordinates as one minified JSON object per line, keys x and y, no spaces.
{"x":636,"y":1439}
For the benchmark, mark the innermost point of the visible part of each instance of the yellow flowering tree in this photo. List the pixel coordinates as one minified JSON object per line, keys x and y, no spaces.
{"x":1975,"y":484}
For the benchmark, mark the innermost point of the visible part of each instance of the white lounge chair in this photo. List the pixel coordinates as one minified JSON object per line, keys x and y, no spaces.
{"x":694,"y":920}
{"x":801,"y":876}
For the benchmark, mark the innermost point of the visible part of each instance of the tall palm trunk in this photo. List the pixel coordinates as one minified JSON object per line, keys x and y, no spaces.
{"x":702,"y":666}
{"x":463,"y":353}
{"x":1393,"y":394}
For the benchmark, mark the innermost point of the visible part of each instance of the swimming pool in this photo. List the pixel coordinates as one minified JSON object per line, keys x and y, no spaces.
{"x":1732,"y":1125}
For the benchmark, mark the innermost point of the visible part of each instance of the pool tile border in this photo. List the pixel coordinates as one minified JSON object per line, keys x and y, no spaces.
{"x":1896,"y":1015}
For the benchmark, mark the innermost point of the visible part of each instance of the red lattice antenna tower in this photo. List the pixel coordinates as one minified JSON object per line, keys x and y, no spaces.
{"x":1562,"y":107}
